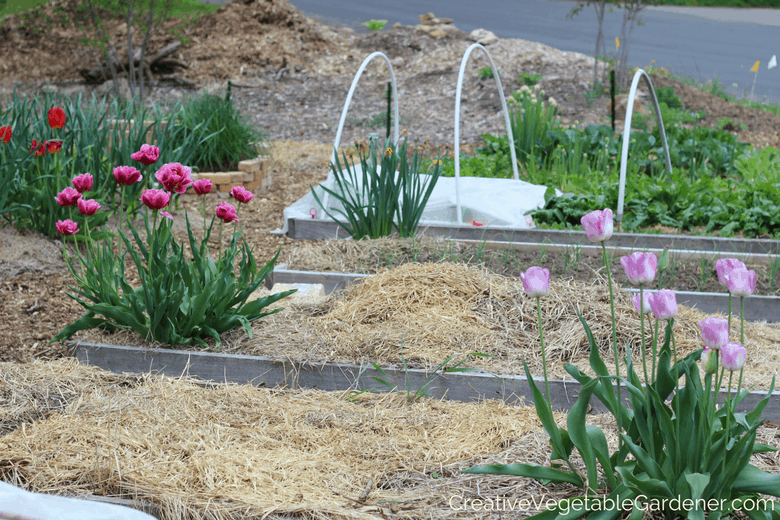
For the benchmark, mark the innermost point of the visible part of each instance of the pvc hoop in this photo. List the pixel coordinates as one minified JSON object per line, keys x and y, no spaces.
{"x":627,"y":132}
{"x":343,"y":119}
{"x":458,"y":91}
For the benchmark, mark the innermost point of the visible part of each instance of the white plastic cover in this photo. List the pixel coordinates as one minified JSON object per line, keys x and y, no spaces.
{"x":489,"y":202}
{"x":18,"y":504}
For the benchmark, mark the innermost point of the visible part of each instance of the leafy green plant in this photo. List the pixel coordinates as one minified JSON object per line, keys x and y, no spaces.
{"x":666,"y":95}
{"x":413,"y":395}
{"x":596,"y":92}
{"x":179,"y":301}
{"x":529,"y":79}
{"x":485,"y":73}
{"x":374,"y":25}
{"x":384,"y":200}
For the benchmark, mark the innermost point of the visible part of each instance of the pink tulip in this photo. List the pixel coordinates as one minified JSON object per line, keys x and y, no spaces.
{"x":241,"y":194}
{"x":740,"y":281}
{"x":598,"y":225}
{"x":733,"y":355}
{"x":536,"y":281}
{"x":714,"y":332}
{"x":82,"y":182}
{"x":640,"y":267}
{"x":174,"y":177}
{"x":126,"y":175}
{"x":88,"y":207}
{"x":147,"y":155}
{"x":226,"y":212}
{"x":724,"y":265}
{"x":646,"y":297}
{"x":202,"y":186}
{"x":67,"y":197}
{"x":67,"y":227}
{"x":708,"y":361}
{"x":155,"y":199}
{"x":664,"y":304}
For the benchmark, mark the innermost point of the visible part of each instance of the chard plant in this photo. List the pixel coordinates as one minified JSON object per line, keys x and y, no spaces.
{"x":678,"y":452}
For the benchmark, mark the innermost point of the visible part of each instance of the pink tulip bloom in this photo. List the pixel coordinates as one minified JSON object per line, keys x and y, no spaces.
{"x":82,"y":182}
{"x":724,"y":265}
{"x":733,"y":356}
{"x":714,"y":332}
{"x":126,"y":175}
{"x":740,"y":281}
{"x":155,"y":199}
{"x":174,"y":177}
{"x":536,"y":281}
{"x":202,"y":186}
{"x":241,"y":194}
{"x":709,"y":362}
{"x":67,"y":227}
{"x":226,"y":212}
{"x":67,"y":197}
{"x":664,"y":304}
{"x":646,"y":302}
{"x":640,"y":267}
{"x":598,"y":225}
{"x":88,"y":207}
{"x":147,"y":155}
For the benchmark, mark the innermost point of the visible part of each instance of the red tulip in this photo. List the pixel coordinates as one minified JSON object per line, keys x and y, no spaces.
{"x":54,"y":146}
{"x":88,"y":207}
{"x":41,"y":148}
{"x":67,"y":227}
{"x":67,"y":197}
{"x":126,"y":175}
{"x":56,"y":117}
{"x":5,"y":133}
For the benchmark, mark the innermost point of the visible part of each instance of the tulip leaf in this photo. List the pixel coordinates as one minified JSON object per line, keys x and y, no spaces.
{"x":530,"y":470}
{"x":579,"y":435}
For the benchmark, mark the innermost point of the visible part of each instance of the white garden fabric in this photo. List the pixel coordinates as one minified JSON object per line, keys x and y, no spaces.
{"x":18,"y":504}
{"x":489,"y":202}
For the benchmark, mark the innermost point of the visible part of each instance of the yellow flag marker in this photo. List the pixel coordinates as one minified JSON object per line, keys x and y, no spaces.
{"x":617,"y":42}
{"x":755,"y":66}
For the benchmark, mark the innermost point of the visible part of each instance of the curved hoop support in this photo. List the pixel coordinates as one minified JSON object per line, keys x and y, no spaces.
{"x":627,"y":131}
{"x":346,"y":108}
{"x":458,"y":91}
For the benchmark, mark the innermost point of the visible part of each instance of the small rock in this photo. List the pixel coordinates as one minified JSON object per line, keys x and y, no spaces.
{"x":397,"y":25}
{"x":437,"y":33}
{"x":426,"y":18}
{"x":424,"y":28}
{"x":443,"y":21}
{"x":483,"y":36}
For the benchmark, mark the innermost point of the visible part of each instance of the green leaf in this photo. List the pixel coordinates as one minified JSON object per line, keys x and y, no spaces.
{"x":753,"y":480}
{"x":530,"y":470}
{"x":579,"y":434}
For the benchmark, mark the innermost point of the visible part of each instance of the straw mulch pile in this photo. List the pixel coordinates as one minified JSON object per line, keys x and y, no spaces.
{"x":236,"y":452}
{"x":428,"y":312}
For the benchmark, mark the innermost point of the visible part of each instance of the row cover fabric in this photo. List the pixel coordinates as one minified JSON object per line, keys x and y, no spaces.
{"x":488,"y":202}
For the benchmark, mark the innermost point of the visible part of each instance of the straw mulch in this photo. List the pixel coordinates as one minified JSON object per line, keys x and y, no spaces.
{"x":235,"y":452}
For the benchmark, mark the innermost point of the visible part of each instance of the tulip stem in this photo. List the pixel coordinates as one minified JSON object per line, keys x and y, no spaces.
{"x":642,"y":323}
{"x":204,"y":215}
{"x":728,"y":416}
{"x":121,"y":218}
{"x":544,"y":357}
{"x":618,"y":409}
{"x":655,"y":348}
{"x":220,"y":249}
{"x":742,"y":339}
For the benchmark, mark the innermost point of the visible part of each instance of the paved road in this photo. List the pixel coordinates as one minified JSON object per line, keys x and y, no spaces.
{"x":698,"y":42}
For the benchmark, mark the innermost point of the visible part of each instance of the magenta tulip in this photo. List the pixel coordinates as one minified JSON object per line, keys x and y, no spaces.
{"x":226,"y":212}
{"x":147,"y":155}
{"x":202,"y":186}
{"x":126,"y":175}
{"x":88,"y":207}
{"x":67,"y":197}
{"x":67,"y":227}
{"x":664,"y":304}
{"x":733,"y":356}
{"x":241,"y":194}
{"x":741,"y":281}
{"x":640,"y":267}
{"x":598,"y":225}
{"x":646,"y":306}
{"x":174,"y":177}
{"x":82,"y":182}
{"x":724,"y":266}
{"x":536,"y":281}
{"x":714,"y":332}
{"x":155,"y":199}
